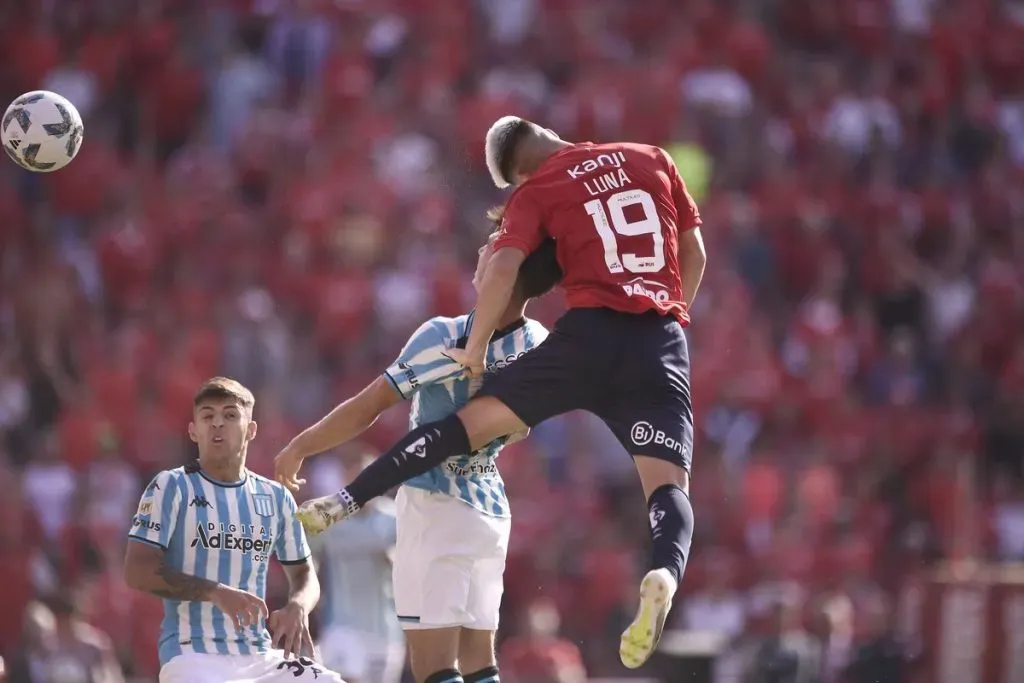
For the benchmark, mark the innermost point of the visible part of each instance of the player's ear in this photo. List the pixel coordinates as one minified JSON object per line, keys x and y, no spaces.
{"x":192,"y":432}
{"x":250,"y":431}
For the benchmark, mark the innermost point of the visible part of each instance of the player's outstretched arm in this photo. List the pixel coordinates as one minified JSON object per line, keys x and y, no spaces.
{"x":146,"y":569}
{"x":692,"y":260}
{"x":347,"y":421}
{"x":495,"y":292}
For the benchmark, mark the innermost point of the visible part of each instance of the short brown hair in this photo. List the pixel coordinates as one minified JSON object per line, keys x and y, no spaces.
{"x":224,"y":388}
{"x":539,"y":272}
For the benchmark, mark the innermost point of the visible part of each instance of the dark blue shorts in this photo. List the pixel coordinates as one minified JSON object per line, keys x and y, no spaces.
{"x":632,"y":371}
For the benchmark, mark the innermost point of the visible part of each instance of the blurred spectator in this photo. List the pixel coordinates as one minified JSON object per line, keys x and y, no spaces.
{"x":539,"y":654}
{"x":360,"y":638}
{"x":881,"y":656}
{"x":720,"y":609}
{"x":837,"y":621}
{"x":239,"y":86}
{"x":1008,"y":520}
{"x":50,"y":487}
{"x":62,"y":649}
{"x":73,"y":80}
{"x":787,"y":653}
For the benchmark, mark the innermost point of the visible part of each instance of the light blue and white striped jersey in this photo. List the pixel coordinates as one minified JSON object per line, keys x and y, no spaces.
{"x":224,"y":532}
{"x":355,"y":564}
{"x":437,"y":388}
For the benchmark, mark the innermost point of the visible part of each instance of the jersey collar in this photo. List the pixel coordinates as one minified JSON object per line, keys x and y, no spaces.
{"x":498,"y":334}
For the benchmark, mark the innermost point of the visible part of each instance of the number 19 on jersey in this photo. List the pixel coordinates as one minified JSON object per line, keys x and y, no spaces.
{"x":613,"y":221}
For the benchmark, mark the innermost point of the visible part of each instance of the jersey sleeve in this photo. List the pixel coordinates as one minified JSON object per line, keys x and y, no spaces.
{"x":522,"y":226}
{"x":291,"y":546}
{"x":689,"y":215}
{"x":422,"y":361}
{"x":155,"y":521}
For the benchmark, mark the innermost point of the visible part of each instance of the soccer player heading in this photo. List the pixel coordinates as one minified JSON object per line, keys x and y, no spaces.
{"x":202,"y":539}
{"x":637,"y":215}
{"x":447,"y":588}
{"x":628,"y":241}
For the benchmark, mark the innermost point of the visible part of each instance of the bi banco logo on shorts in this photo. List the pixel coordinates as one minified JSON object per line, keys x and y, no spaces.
{"x":643,"y":433}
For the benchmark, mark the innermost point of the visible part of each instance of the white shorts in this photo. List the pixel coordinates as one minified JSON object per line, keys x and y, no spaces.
{"x":362,"y":656}
{"x":270,"y":667}
{"x":449,"y":562}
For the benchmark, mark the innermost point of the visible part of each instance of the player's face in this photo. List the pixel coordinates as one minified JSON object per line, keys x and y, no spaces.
{"x":483,"y":258}
{"x":221,"y":427}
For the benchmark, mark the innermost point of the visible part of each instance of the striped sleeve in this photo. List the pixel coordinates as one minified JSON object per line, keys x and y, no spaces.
{"x":422,"y":361}
{"x":155,"y":520}
{"x":292,"y":546}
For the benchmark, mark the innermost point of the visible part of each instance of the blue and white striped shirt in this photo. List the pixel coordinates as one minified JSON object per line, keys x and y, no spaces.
{"x":224,"y":532}
{"x":437,"y":389}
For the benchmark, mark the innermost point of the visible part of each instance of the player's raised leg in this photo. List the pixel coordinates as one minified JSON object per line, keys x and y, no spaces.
{"x":666,"y":488}
{"x":652,"y":417}
{"x":421,"y":450}
{"x":543,"y":383}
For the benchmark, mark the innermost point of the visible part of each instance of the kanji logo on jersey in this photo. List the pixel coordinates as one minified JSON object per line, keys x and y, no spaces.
{"x":613,"y":160}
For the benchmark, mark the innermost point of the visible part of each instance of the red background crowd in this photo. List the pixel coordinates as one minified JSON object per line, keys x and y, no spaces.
{"x":281,"y":191}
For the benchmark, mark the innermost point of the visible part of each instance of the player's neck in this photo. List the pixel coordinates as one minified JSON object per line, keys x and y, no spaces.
{"x":226,"y":472}
{"x":516,"y":311}
{"x":542,"y":150}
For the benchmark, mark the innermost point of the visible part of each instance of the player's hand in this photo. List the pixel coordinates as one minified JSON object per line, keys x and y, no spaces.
{"x":286,"y":470}
{"x":244,"y":609}
{"x":473,"y":362}
{"x":290,"y":628}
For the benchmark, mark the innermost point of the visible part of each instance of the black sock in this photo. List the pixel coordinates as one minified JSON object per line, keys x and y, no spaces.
{"x":421,"y":450}
{"x":671,"y":529}
{"x":488,"y":675}
{"x":445,"y":676}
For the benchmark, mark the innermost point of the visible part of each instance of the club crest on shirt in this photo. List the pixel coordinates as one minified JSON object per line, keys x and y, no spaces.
{"x":263,"y":504}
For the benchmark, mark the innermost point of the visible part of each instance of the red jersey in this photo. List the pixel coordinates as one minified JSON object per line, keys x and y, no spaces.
{"x":615,"y":212}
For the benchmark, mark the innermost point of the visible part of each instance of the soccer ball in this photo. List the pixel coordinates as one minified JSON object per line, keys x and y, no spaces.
{"x":41,"y":131}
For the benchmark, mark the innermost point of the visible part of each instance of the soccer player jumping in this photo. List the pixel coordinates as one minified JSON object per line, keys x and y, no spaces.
{"x":628,"y":241}
{"x":202,"y":540}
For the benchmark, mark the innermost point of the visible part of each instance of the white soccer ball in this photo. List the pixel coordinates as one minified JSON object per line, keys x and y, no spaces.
{"x":41,"y":131}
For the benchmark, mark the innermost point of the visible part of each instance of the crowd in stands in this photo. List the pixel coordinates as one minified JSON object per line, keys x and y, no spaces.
{"x":281,"y":191}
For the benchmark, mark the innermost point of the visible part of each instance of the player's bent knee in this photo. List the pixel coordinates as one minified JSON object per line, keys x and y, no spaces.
{"x":486,"y":418}
{"x":476,"y":650}
{"x":432,"y":650}
{"x":656,"y":472}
